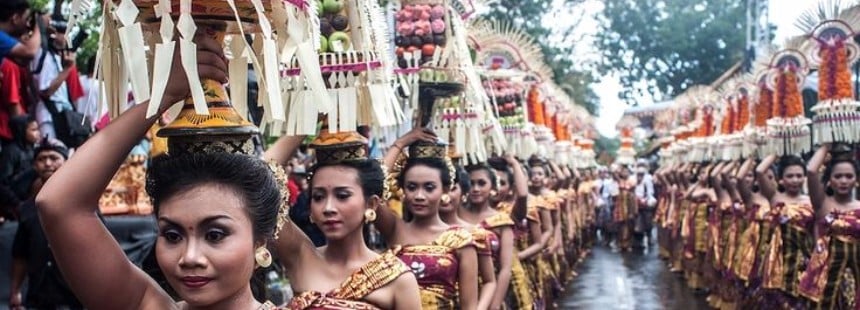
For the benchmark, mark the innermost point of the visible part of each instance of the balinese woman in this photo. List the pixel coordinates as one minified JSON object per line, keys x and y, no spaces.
{"x":442,"y":257}
{"x":702,"y":200}
{"x":481,"y":212}
{"x":538,"y":174}
{"x":792,"y":238}
{"x":625,"y":209}
{"x":486,"y":242}
{"x":346,"y":189}
{"x":208,"y":256}
{"x":831,"y":277}
{"x":524,"y":292}
{"x":586,"y":198}
{"x":725,"y":239}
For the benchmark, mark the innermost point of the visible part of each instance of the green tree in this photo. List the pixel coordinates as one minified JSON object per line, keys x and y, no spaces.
{"x":606,"y":148}
{"x":658,"y":48}
{"x":556,"y":42}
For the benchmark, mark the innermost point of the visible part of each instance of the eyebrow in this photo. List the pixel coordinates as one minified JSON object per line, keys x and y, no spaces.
{"x":205,"y":221}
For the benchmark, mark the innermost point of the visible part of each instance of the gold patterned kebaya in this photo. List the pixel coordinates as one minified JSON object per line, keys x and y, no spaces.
{"x":350,"y":294}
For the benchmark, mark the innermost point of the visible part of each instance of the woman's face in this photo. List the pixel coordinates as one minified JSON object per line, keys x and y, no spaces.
{"x":337,"y":202}
{"x":206,"y":255}
{"x":843,"y":178}
{"x":537,"y":177}
{"x":423,"y":190}
{"x":32,"y":133}
{"x":454,"y":203}
{"x":749,"y":178}
{"x":703,"y":175}
{"x":482,"y":185}
{"x":623,"y":173}
{"x":792,"y":179}
{"x":504,"y":190}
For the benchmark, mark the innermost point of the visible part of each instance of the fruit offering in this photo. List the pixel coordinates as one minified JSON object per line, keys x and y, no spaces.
{"x":334,"y":26}
{"x":420,"y":27}
{"x":508,"y":98}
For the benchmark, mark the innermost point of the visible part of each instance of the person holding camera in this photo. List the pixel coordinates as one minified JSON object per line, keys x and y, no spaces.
{"x":56,"y":77}
{"x":17,"y":20}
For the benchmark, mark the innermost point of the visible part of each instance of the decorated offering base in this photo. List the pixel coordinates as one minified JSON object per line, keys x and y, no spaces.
{"x":137,"y":52}
{"x":221,"y":129}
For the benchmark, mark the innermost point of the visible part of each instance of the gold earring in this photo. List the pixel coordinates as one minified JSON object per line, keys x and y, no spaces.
{"x":493,"y":193}
{"x":263,"y":257}
{"x":369,"y":216}
{"x":446,"y":198}
{"x":311,"y":219}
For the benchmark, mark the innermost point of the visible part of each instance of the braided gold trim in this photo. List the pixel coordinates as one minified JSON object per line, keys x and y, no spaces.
{"x":390,"y":185}
{"x":452,"y":171}
{"x":284,"y":208}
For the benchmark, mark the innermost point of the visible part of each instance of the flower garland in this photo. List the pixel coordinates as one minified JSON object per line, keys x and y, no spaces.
{"x":743,"y":113}
{"x":787,"y":102}
{"x":763,"y":109}
{"x":834,"y":74}
{"x":536,"y":113}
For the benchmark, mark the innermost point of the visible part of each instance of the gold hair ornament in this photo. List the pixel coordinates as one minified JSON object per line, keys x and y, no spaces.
{"x":284,"y":207}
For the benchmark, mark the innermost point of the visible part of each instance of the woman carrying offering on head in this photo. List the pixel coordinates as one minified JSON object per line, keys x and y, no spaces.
{"x":480,"y":210}
{"x":834,"y":262}
{"x":442,"y":257}
{"x":792,"y":217}
{"x":217,"y":212}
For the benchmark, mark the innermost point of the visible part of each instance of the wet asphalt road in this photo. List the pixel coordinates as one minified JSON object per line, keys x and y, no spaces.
{"x":632,"y":280}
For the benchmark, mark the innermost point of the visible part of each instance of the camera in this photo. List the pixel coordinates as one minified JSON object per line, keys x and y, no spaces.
{"x":60,"y":25}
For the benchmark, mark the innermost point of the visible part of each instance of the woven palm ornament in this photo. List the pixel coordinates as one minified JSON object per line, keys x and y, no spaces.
{"x":788,"y":127}
{"x":832,"y":50}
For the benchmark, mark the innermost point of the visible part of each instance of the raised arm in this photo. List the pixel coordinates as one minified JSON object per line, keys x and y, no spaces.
{"x":522,"y":189}
{"x":744,"y":187}
{"x":284,"y":149}
{"x":767,"y":186}
{"x":813,"y":178}
{"x":730,"y":182}
{"x":68,"y":203}
{"x":28,"y":46}
{"x":399,"y":145}
{"x":716,"y":179}
{"x":291,"y":240}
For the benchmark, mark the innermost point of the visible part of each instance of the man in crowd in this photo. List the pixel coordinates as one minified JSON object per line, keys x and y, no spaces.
{"x":607,"y":190}
{"x":17,"y":20}
{"x":646,"y":201}
{"x":31,"y":254}
{"x":53,"y":71}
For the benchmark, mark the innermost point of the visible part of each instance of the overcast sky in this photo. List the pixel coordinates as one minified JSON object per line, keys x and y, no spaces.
{"x":782,"y":15}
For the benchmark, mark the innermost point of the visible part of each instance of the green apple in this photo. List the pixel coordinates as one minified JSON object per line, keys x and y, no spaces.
{"x":332,"y":6}
{"x":426,"y":75}
{"x":323,"y":44}
{"x":320,"y":10}
{"x":339,"y":41}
